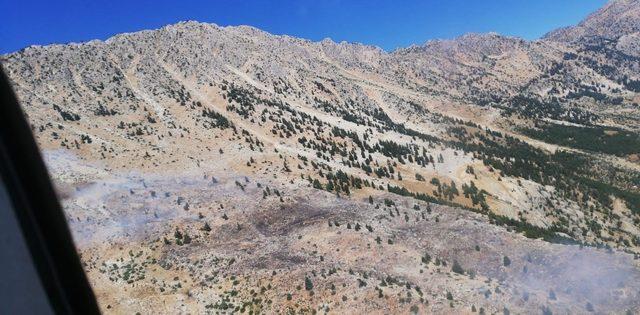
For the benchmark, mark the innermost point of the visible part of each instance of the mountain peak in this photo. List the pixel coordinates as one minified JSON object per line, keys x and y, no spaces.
{"x":616,"y":19}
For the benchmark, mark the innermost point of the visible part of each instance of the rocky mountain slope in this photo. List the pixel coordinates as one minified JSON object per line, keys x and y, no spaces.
{"x":225,"y":169}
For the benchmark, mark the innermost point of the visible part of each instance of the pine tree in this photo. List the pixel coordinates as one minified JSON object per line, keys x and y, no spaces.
{"x":308,"y":285}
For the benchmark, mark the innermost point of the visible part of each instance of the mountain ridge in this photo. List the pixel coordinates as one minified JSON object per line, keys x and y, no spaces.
{"x":253,"y":28}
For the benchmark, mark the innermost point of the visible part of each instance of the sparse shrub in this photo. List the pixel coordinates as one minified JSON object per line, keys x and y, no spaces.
{"x":590,"y":307}
{"x":506,"y":261}
{"x":457,"y":268}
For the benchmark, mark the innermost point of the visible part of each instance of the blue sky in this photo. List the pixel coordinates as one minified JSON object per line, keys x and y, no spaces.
{"x":385,"y":23}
